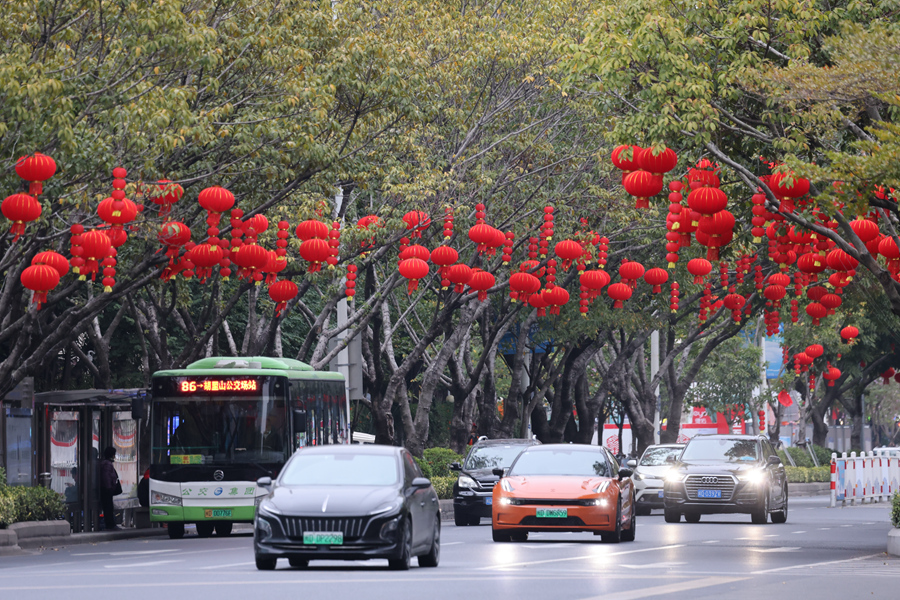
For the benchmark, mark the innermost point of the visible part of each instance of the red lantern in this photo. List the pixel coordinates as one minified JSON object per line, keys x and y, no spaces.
{"x":171,"y":193}
{"x":657,"y":164}
{"x":282,"y":292}
{"x":784,"y":398}
{"x":839,"y":260}
{"x":117,"y":212}
{"x":555,"y":298}
{"x":96,"y":246}
{"x":537,"y":301}
{"x":37,"y":167}
{"x":413,"y":269}
{"x":417,"y":222}
{"x":631,"y":271}
{"x":459,"y":275}
{"x":699,"y":268}
{"x":849,"y":333}
{"x":798,"y":187}
{"x":594,"y":280}
{"x":865,"y":229}
{"x":830,"y":302}
{"x":52,"y":259}
{"x":415,"y":251}
{"x":312,"y":230}
{"x":774,"y":292}
{"x":707,"y":200}
{"x":568,"y":250}
{"x":626,"y":164}
{"x":444,"y":256}
{"x":887,"y":247}
{"x":734,"y":302}
{"x":40,"y":279}
{"x":205,"y":257}
{"x":258,"y":223}
{"x":817,"y":312}
{"x":619,"y":292}
{"x":831,"y":375}
{"x":523,"y":285}
{"x":643,"y":185}
{"x":486,"y":237}
{"x":815,"y":350}
{"x":481,"y":281}
{"x":315,"y":251}
{"x":20,"y":209}
{"x":216,"y":199}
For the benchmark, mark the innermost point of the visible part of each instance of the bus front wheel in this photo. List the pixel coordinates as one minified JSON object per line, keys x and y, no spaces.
{"x":176,"y":530}
{"x":223,"y":528}
{"x":205,"y":530}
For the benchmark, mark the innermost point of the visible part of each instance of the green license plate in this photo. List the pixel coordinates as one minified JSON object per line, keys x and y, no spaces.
{"x":552,"y":513}
{"x":216,"y":513}
{"x":325,"y":538}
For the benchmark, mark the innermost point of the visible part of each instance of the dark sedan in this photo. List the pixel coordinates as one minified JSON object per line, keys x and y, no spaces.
{"x":474,"y":488}
{"x":348,"y":503}
{"x":727,"y":474}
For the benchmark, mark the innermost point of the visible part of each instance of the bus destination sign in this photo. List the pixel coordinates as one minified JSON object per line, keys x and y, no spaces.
{"x":218,"y":385}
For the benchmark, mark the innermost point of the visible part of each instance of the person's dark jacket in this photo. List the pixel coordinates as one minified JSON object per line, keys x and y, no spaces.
{"x":108,"y":475}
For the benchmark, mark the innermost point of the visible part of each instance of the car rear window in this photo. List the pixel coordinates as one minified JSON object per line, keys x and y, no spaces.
{"x":561,"y":462}
{"x":719,"y":449}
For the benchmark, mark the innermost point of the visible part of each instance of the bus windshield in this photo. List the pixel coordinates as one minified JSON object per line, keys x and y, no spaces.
{"x":219,"y":430}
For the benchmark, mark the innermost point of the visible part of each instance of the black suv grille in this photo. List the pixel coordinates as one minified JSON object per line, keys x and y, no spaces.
{"x":351,"y":527}
{"x":724,"y":483}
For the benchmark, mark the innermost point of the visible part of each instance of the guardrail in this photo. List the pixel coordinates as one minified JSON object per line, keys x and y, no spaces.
{"x":869,"y":476}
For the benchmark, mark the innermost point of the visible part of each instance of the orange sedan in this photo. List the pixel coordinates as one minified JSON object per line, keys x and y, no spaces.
{"x":564,"y":487}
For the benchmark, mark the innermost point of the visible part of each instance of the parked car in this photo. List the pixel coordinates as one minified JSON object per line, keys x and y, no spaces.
{"x":473,"y":489}
{"x":351,"y":502}
{"x":727,"y":474}
{"x":564,"y":487}
{"x":648,"y":475}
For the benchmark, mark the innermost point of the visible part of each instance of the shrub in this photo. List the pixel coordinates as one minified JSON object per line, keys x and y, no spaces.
{"x":7,"y":510}
{"x":36,"y":504}
{"x":820,"y":474}
{"x":808,"y":474}
{"x":796,"y":474}
{"x":426,"y":468}
{"x":443,"y":486}
{"x":439,"y":460}
{"x":801,"y":457}
{"x":895,"y":510}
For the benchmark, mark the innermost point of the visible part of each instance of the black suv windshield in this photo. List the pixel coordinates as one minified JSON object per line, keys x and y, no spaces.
{"x":719,"y":449}
{"x":492,"y":457}
{"x":656,"y":457}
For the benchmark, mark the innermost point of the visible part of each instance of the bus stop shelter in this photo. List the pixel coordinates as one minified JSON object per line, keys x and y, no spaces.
{"x":70,"y":430}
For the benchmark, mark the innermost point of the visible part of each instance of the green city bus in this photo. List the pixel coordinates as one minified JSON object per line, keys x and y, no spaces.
{"x":221,"y":423}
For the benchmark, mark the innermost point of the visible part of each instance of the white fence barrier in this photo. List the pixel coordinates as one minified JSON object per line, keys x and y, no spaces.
{"x":869,"y":476}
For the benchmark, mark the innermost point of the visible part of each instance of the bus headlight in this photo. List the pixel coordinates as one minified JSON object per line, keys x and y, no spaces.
{"x":160,"y":498}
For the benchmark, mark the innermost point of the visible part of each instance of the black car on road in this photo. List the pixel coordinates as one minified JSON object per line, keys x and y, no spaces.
{"x":348,"y":503}
{"x":473,"y":489}
{"x":727,"y":474}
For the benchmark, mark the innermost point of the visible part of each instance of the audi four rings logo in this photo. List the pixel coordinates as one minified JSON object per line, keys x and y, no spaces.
{"x":219,"y":475}
{"x":709,"y":480}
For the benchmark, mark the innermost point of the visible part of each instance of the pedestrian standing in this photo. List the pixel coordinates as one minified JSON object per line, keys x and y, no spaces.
{"x":109,"y":487}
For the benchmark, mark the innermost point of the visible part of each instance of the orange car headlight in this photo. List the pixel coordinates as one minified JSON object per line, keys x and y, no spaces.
{"x":505,"y":501}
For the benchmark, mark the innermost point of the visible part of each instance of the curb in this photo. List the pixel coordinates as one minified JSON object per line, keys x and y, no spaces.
{"x":801,"y":490}
{"x":446,"y":509}
{"x":893,"y":542}
{"x":12,"y":544}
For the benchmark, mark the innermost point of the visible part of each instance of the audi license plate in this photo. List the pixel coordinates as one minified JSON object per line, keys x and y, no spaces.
{"x":216,"y":513}
{"x":488,"y":501}
{"x":552,"y":513}
{"x":661,"y":493}
{"x":709,"y":493}
{"x":323,"y":538}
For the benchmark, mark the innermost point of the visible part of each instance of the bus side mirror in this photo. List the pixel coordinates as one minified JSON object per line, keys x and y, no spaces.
{"x":299,"y":421}
{"x":137,"y":408}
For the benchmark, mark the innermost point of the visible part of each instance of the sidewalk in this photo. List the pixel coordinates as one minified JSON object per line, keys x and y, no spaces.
{"x":46,"y":534}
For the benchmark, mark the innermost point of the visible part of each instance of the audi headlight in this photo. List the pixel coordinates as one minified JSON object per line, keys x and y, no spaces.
{"x":754,"y":477}
{"x":604,"y":485}
{"x":466,"y":482}
{"x":506,"y":486}
{"x":674,"y":476}
{"x":160,"y":498}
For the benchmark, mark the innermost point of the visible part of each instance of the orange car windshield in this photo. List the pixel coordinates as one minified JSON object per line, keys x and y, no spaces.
{"x":560,"y":462}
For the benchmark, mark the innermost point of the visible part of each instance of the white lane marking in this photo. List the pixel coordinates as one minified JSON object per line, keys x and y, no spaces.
{"x":243,"y":564}
{"x":581,"y":557}
{"x":450,"y":543}
{"x":784,"y":549}
{"x":745,"y":538}
{"x":846,"y":525}
{"x":141,"y":565}
{"x":672,"y":588}
{"x":820,"y":564}
{"x":798,"y":532}
{"x":659,"y":565}
{"x":772,"y":535}
{"x":824,"y":528}
{"x":711,"y":542}
{"x":126,"y":553}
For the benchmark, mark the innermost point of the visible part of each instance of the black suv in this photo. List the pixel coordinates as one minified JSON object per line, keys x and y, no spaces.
{"x":474,"y":488}
{"x":727,"y":474}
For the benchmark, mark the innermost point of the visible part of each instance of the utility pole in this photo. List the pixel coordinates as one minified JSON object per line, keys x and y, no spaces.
{"x":654,"y":369}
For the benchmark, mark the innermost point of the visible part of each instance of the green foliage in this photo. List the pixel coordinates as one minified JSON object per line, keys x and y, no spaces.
{"x":33,"y":504}
{"x":443,"y":486}
{"x":808,"y":474}
{"x":439,"y":460}
{"x":7,"y":510}
{"x":426,"y":468}
{"x":727,"y":378}
{"x":895,"y":510}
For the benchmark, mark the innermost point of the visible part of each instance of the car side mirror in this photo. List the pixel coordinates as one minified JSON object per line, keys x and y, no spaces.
{"x":498,"y":471}
{"x":670,"y":458}
{"x":623,"y":473}
{"x":774,"y":460}
{"x":632,"y":463}
{"x":264,"y":482}
{"x":455,"y":466}
{"x":421,"y":482}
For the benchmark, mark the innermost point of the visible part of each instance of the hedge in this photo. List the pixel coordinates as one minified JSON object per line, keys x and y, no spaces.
{"x":808,"y":474}
{"x":895,"y":510}
{"x":443,"y":486}
{"x":18,"y":504}
{"x":439,"y":460}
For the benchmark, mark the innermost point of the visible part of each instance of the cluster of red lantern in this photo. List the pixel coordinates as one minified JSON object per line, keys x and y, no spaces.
{"x":23,"y":208}
{"x":643,"y":170}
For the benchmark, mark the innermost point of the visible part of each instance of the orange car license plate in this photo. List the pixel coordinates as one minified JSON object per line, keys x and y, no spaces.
{"x":552,"y":513}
